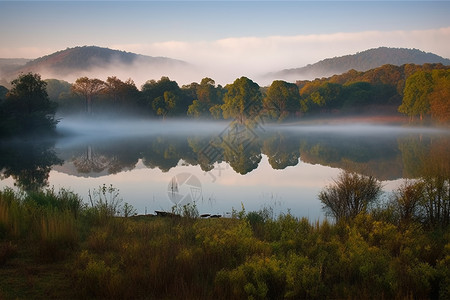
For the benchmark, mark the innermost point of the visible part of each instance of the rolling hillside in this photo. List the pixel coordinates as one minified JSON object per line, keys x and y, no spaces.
{"x":88,"y":57}
{"x":89,"y":61}
{"x":362,"y":61}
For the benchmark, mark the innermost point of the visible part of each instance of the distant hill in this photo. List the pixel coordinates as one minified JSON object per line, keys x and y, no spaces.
{"x":361,"y":61}
{"x":88,"y":57}
{"x":89,"y":61}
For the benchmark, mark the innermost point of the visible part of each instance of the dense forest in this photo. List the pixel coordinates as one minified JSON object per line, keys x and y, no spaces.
{"x":414,"y":90}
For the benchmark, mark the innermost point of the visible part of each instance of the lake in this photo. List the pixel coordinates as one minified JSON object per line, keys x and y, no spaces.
{"x":220,"y":167}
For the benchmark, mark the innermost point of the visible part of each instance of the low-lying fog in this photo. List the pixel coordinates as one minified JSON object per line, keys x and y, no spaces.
{"x":105,"y":127}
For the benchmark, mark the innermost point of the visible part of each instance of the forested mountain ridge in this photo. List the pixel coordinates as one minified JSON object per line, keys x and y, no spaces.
{"x":85,"y":58}
{"x":80,"y":58}
{"x":387,"y":74}
{"x":361,"y":61}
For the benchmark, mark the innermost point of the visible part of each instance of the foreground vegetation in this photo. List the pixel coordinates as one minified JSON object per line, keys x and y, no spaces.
{"x":53,"y":246}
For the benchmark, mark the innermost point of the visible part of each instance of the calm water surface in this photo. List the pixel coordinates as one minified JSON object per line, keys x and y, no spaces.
{"x":158,"y":164}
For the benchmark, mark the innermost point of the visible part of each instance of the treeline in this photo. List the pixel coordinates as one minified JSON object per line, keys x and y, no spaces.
{"x":351,"y":92}
{"x":376,"y":91}
{"x":394,"y":249}
{"x":414,"y":90}
{"x":411,"y":89}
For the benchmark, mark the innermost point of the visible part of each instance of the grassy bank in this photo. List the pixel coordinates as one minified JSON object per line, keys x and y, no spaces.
{"x":52,"y":246}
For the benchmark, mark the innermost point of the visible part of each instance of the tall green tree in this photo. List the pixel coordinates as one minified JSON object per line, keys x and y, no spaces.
{"x":197,"y":109}
{"x":27,"y":108}
{"x":321,"y":97}
{"x":164,"y":97}
{"x":282,"y":99}
{"x":207,"y":95}
{"x":415,"y":95}
{"x":207,"y":91}
{"x":165,"y":104}
{"x":242,"y":101}
{"x":29,"y":93}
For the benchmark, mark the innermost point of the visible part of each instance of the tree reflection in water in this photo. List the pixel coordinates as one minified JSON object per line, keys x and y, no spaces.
{"x":28,"y":163}
{"x":386,"y":157}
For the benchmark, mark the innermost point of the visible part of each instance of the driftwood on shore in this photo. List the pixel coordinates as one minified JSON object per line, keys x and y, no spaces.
{"x":160,"y":213}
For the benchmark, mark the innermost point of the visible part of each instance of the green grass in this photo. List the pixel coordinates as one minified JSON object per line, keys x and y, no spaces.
{"x":58,"y":250}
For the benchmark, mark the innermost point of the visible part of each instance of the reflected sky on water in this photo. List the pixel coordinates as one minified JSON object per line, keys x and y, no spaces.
{"x":282,"y":167}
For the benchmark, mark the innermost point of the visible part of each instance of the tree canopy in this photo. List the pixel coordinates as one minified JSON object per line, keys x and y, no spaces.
{"x":282,"y":98}
{"x":27,"y":108}
{"x":427,"y":92}
{"x":440,"y":96}
{"x":242,"y":101}
{"x":417,"y":88}
{"x":206,"y":98}
{"x":88,"y":89}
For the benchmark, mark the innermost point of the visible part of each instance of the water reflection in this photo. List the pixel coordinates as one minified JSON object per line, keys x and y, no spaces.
{"x":281,"y":152}
{"x":386,"y":156}
{"x":370,"y":155}
{"x":28,"y":163}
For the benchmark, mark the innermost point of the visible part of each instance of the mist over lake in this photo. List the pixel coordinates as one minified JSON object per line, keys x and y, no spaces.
{"x":282,"y":167}
{"x":225,"y":150}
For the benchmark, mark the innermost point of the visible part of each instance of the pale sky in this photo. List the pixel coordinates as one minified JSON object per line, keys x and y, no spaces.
{"x":234,"y":38}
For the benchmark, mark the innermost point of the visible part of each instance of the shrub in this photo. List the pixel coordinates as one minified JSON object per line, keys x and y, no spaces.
{"x":303,"y":278}
{"x":349,"y":195}
{"x":257,"y":278}
{"x":97,"y":279}
{"x":406,"y":201}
